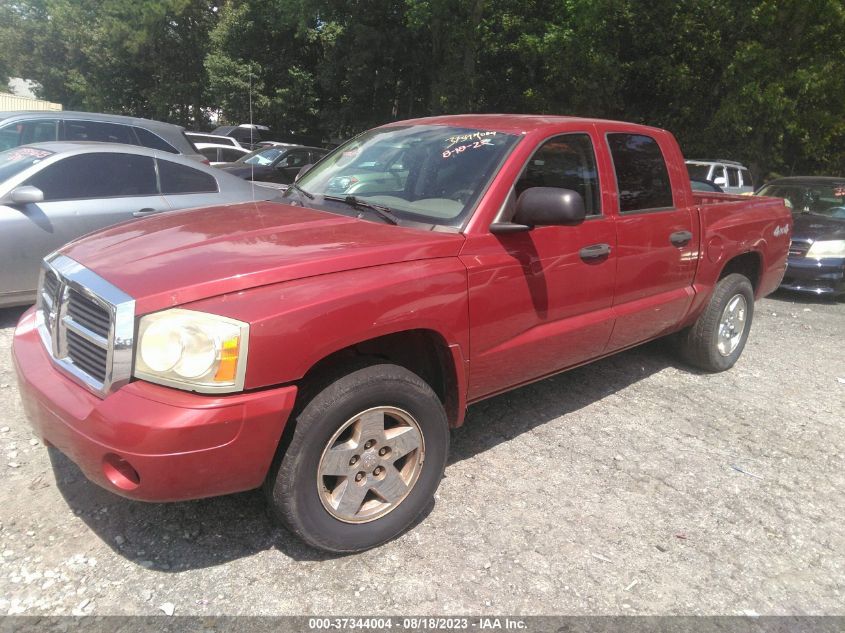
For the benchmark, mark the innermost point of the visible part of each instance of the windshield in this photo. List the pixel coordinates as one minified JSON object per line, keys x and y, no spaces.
{"x":424,"y":173}
{"x":824,"y":199}
{"x":263,"y":156}
{"x":698,"y":170}
{"x":14,"y":161}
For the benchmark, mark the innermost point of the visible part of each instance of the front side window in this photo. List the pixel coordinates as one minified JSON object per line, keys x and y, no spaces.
{"x":294,"y":159}
{"x":262,"y":157}
{"x":641,"y":175}
{"x":567,"y":162}
{"x":733,"y":177}
{"x":425,"y":173}
{"x":176,"y":178}
{"x":100,"y":175}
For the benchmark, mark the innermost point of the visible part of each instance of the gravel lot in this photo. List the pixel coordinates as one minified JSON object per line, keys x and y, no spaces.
{"x":631,"y":486}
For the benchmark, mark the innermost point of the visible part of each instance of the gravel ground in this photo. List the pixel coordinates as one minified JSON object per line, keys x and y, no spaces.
{"x":631,"y":486}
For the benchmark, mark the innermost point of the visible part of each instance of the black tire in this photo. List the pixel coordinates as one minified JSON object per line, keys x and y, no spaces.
{"x":292,"y":486}
{"x":698,"y":344}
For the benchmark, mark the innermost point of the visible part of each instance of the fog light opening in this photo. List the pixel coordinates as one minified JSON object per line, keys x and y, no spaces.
{"x":120,"y":472}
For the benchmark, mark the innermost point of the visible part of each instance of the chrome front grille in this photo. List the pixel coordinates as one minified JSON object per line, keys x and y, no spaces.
{"x":86,"y":323}
{"x":799,"y":247}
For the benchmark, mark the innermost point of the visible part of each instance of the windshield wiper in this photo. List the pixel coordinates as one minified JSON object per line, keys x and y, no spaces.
{"x":296,"y":187}
{"x":356,"y":203}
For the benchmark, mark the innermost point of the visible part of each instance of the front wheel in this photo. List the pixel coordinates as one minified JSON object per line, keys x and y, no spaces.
{"x":365,"y":459}
{"x":715,"y":341}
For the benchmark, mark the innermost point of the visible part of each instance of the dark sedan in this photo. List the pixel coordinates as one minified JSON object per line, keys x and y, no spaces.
{"x":279,"y":163}
{"x":817,"y":254}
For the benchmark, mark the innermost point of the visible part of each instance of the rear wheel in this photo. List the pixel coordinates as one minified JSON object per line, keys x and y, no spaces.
{"x":715,"y":341}
{"x":365,"y":459}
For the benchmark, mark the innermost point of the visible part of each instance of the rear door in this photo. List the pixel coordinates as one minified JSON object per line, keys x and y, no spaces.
{"x":657,"y":240}
{"x":540,"y":300}
{"x":82,"y":193}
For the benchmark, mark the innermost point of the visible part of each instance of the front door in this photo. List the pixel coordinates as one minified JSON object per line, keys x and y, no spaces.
{"x":541,"y":300}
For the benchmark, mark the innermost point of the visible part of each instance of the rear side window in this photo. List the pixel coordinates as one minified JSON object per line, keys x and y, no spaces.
{"x":102,"y":175}
{"x":230,"y":155}
{"x":566,"y":162}
{"x":176,"y":178}
{"x":210,"y":153}
{"x":99,"y":131}
{"x":746,"y":178}
{"x":733,"y":177}
{"x":641,"y":174}
{"x":154,"y":141}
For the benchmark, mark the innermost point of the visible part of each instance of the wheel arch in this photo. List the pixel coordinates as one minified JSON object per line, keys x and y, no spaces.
{"x":425,"y":352}
{"x":748,"y":264}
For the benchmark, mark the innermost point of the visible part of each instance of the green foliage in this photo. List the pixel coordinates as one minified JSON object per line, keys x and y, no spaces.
{"x":760,"y":81}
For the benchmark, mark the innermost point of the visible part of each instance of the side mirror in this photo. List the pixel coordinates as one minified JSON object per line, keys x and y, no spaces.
{"x":24,"y":195}
{"x":720,"y":181}
{"x":302,"y":171}
{"x":544,"y":206}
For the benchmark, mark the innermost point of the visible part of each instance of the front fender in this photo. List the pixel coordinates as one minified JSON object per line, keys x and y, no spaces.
{"x":295,"y":324}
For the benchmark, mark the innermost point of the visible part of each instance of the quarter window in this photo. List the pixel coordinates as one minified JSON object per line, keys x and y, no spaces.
{"x":746,"y":178}
{"x":566,"y":162}
{"x":641,"y":174}
{"x":176,"y":178}
{"x":101,"y":175}
{"x":154,"y":141}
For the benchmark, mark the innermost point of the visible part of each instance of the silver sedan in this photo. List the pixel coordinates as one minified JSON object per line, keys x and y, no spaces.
{"x":52,"y":193}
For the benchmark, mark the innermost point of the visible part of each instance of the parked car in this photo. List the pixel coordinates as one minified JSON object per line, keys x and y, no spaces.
{"x":700,"y":184}
{"x":51,"y":193}
{"x":215,"y":139}
{"x":24,"y":128}
{"x":221,"y":154}
{"x":324,"y":346}
{"x":816,"y":261}
{"x":730,"y":176}
{"x":279,"y":163}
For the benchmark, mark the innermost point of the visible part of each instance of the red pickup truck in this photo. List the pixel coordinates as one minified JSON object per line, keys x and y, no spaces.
{"x":324,"y":346}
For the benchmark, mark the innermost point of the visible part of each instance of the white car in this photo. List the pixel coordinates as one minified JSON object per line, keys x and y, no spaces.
{"x":218,"y":154}
{"x":217,"y":139}
{"x":731,"y":176}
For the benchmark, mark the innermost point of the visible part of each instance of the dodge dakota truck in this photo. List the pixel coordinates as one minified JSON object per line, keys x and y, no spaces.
{"x":321,"y":347}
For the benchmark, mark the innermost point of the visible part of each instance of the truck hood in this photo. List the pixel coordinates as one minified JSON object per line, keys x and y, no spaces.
{"x":184,"y":256}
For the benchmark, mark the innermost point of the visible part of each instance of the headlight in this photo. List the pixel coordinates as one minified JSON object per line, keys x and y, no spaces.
{"x":192,"y":350}
{"x":827,"y":248}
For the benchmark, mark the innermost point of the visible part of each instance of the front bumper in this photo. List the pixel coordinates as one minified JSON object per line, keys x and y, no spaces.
{"x":818,"y":276}
{"x":149,"y":442}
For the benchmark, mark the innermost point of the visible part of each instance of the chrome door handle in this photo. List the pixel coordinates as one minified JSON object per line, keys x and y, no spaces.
{"x":680,"y":238}
{"x":140,"y":213}
{"x":596,"y":251}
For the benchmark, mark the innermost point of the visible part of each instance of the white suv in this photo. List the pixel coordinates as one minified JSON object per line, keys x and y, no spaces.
{"x":731,"y":176}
